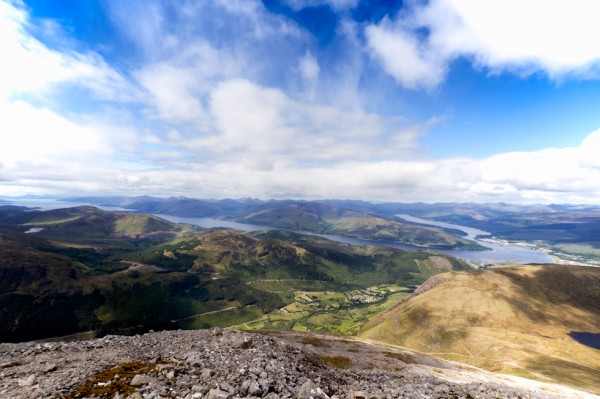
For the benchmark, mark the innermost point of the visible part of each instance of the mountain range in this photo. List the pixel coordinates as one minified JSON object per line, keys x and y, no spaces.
{"x":89,"y":272}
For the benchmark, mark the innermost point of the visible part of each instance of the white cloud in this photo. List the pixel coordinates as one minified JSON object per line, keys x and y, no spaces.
{"x":553,"y":170}
{"x":29,"y":66}
{"x":553,"y":175}
{"x":411,"y":63}
{"x":39,"y":135}
{"x":229,"y":113}
{"x":558,"y":38}
{"x":338,"y":5}
{"x":180,"y":85}
{"x":264,"y":122}
{"x":309,"y":69}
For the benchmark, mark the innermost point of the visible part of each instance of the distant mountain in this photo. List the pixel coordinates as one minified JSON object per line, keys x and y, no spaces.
{"x":85,"y":222}
{"x":90,"y":269}
{"x":180,"y":206}
{"x":513,"y":319}
{"x":324,"y":218}
{"x":562,"y":229}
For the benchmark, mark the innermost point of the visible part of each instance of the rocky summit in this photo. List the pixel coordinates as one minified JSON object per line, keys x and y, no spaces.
{"x":222,"y":364}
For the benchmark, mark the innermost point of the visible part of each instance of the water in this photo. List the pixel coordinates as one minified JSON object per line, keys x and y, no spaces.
{"x":50,"y":204}
{"x":472,"y":233}
{"x":586,"y":338}
{"x":497,"y":254}
{"x":210,"y":223}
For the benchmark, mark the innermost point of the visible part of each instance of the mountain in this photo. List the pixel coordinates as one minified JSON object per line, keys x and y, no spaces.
{"x":522,"y":320}
{"x":231,"y":364}
{"x":88,"y":269}
{"x":322,"y":218}
{"x":568,"y":231}
{"x":180,"y":206}
{"x":86,"y":223}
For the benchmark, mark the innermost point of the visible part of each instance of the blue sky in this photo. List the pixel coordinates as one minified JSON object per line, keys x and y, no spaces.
{"x":440,"y":100}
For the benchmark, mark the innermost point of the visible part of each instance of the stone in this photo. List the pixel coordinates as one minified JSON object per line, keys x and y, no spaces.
{"x":162,"y":367}
{"x":138,"y":380}
{"x":193,"y":359}
{"x":199,"y":388}
{"x":27,"y":381}
{"x":254,"y":389}
{"x":238,"y":341}
{"x":271,"y":370}
{"x":225,"y":386}
{"x":309,"y":390}
{"x":311,"y":354}
{"x":218,"y":394}
{"x":207,"y":373}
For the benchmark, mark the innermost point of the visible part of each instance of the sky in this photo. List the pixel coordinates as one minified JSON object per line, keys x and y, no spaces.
{"x":404,"y":101}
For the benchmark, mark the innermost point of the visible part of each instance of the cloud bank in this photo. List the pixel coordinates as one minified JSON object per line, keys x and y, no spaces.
{"x":255,"y":107}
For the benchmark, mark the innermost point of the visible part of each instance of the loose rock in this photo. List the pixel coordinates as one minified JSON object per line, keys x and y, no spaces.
{"x":222,"y":364}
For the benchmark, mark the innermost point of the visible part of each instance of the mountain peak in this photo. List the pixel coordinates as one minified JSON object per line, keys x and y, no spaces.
{"x":226,"y":364}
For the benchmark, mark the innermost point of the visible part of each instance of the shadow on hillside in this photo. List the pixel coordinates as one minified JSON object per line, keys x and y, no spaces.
{"x":554,"y":285}
{"x":566,"y":373}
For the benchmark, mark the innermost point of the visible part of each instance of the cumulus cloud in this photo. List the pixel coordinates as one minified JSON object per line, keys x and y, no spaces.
{"x":264,"y":123}
{"x":557,"y":38}
{"x":228,"y":113}
{"x":29,"y":66}
{"x":546,"y":176}
{"x":412,"y":63}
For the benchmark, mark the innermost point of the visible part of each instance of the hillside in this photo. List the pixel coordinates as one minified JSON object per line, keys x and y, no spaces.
{"x":322,"y":218}
{"x":230,"y":364}
{"x":86,"y":223}
{"x":87,"y":270}
{"x":568,"y":231}
{"x":513,"y":319}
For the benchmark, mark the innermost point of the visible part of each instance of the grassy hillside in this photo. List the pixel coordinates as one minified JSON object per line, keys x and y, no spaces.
{"x":122,"y":270}
{"x":87,"y":223}
{"x":322,"y":218}
{"x":513,"y":319}
{"x":571,"y":230}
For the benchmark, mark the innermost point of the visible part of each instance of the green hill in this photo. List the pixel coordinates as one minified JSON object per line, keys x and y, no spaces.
{"x":322,"y":218}
{"x":513,"y":319}
{"x":112,"y":271}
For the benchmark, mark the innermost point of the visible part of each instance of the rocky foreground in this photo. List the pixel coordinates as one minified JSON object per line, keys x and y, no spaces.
{"x":222,"y":364}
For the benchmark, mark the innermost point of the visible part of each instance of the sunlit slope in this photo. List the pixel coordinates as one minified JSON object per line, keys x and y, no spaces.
{"x":512,"y":319}
{"x":89,"y":222}
{"x":323,"y":218}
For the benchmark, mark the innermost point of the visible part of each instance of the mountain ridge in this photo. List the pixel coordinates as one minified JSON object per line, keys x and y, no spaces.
{"x":510,"y":319}
{"x":228,"y":364}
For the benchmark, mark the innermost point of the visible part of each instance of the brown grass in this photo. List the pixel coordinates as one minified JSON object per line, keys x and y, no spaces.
{"x":338,"y":362}
{"x":125,"y":371}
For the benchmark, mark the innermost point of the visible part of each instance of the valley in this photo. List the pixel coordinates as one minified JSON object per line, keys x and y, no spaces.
{"x":77,"y":275}
{"x":85,"y":269}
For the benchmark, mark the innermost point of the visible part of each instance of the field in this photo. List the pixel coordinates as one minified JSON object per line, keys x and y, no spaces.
{"x":334,"y":312}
